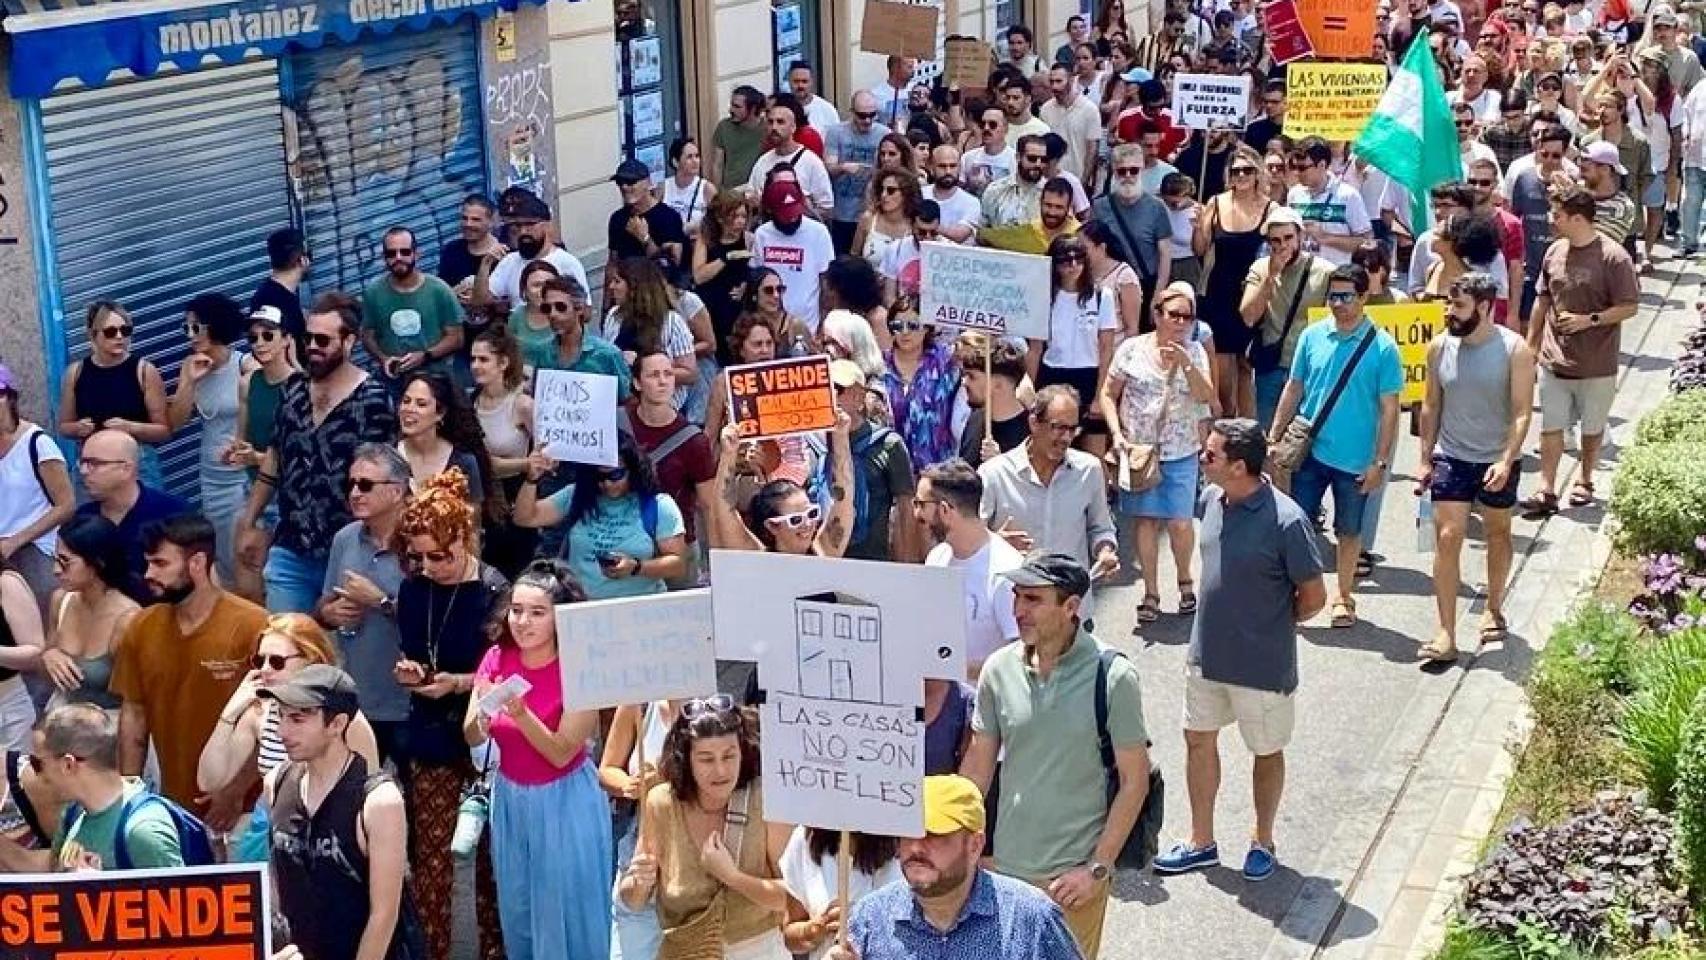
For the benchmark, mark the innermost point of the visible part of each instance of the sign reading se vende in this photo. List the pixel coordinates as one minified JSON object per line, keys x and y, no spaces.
{"x":184,"y":913}
{"x":780,"y":398}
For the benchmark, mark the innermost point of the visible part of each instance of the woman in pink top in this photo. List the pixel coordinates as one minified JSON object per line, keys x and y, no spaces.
{"x":550,"y":822}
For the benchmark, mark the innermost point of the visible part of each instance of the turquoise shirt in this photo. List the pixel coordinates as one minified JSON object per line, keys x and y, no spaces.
{"x":597,"y":356}
{"x":1346,"y":441}
{"x":615,"y":526}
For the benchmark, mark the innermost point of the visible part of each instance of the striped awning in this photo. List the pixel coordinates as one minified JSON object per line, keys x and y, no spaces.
{"x":88,"y":40}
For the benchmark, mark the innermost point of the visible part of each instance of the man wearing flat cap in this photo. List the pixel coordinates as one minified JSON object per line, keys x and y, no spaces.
{"x":528,"y":219}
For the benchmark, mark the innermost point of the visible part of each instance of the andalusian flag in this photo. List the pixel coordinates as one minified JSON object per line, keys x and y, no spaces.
{"x":1411,"y":135}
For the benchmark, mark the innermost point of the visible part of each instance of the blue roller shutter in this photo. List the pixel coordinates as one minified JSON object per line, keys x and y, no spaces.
{"x":160,"y":189}
{"x":387,"y":132}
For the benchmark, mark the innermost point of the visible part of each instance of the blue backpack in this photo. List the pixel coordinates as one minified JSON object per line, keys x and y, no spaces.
{"x":818,"y":487}
{"x":195,"y":846}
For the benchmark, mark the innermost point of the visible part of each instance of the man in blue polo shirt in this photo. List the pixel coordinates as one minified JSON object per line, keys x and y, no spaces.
{"x":1352,"y":449}
{"x":108,"y":468}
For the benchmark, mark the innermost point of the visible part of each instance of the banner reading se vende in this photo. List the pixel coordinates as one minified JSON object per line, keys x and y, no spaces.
{"x":1413,"y":326}
{"x":1332,"y":100}
{"x":781,"y":398}
{"x":184,"y":913}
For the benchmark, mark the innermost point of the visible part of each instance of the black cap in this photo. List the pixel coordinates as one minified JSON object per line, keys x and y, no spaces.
{"x":519,"y":203}
{"x":316,"y":686}
{"x":631,"y":171}
{"x":1052,"y":570}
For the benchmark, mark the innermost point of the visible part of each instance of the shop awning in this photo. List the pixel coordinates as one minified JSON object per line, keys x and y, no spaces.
{"x":55,"y":40}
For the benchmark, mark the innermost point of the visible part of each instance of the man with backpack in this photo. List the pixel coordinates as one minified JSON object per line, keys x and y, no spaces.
{"x":883,"y":526}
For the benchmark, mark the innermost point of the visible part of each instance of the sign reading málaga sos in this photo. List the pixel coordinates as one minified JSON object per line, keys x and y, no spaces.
{"x":186,"y":913}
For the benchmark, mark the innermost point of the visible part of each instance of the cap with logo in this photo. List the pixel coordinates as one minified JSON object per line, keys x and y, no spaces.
{"x":267,"y":314}
{"x":1052,"y":570}
{"x":318,"y":686}
{"x":784,"y":199}
{"x":952,"y":803}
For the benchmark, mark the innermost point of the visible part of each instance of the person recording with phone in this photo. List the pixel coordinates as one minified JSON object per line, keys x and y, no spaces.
{"x":410,"y":320}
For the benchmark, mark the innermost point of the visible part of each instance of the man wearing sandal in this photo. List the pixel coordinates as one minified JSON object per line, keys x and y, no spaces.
{"x":1345,"y":378}
{"x":1474,"y":420}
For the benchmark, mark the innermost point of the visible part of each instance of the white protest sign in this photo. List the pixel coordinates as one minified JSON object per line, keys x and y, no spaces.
{"x":842,"y":765}
{"x":574,"y":416}
{"x":1204,"y":101}
{"x":766,"y":605}
{"x":636,"y":650}
{"x":990,"y":291}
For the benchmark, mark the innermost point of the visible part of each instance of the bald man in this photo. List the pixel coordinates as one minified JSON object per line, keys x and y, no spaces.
{"x":108,"y":469}
{"x":850,"y":152}
{"x":962,"y":214}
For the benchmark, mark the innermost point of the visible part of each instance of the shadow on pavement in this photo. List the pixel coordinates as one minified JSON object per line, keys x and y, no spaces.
{"x":1276,"y":899}
{"x":1139,"y":887}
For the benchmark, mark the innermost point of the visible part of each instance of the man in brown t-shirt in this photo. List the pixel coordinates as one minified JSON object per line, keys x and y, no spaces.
{"x":1587,"y":286}
{"x":179,"y":663}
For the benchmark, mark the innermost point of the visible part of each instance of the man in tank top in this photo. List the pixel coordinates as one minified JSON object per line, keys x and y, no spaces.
{"x":1474,"y":420}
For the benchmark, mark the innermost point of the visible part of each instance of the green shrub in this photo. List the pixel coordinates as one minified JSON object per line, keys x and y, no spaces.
{"x":1658,"y":497}
{"x":1691,"y":800}
{"x":1682,"y":417}
{"x":1598,"y":641}
{"x":1669,"y":675}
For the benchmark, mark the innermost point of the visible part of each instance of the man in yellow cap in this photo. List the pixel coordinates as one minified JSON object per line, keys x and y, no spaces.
{"x":950,"y":908}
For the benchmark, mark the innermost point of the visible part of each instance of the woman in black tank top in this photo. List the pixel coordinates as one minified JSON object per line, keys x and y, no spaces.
{"x":115,"y":388}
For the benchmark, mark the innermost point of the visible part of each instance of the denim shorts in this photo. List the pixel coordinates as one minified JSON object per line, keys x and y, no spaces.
{"x":1460,"y":481}
{"x":1174,"y":498}
{"x":1309,"y":487}
{"x":1654,"y":195}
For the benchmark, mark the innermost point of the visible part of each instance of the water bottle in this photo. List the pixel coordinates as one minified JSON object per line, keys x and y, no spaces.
{"x":1425,"y":523}
{"x":471,"y":819}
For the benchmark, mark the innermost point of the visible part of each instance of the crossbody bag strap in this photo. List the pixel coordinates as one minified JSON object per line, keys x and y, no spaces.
{"x":1296,"y":299}
{"x":734,"y":824}
{"x":1338,"y":388}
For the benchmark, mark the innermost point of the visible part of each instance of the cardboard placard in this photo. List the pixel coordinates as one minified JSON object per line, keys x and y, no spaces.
{"x":841,"y":765}
{"x":969,"y":62}
{"x":1413,"y":326}
{"x":901,"y":29}
{"x":1339,"y":28}
{"x":1211,"y":101}
{"x":185,"y":913}
{"x":990,"y":291}
{"x":1287,"y":39}
{"x":636,"y":649}
{"x":1332,"y":100}
{"x":781,"y":398}
{"x":574,"y":416}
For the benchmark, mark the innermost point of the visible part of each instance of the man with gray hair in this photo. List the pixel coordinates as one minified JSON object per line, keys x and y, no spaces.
{"x":850,"y":152}
{"x":360,"y":595}
{"x":1261,"y":577}
{"x":1141,"y":220}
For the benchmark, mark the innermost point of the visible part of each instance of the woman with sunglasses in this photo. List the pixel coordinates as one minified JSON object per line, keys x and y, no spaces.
{"x":622,"y":536}
{"x":505,"y":414}
{"x":1158,"y":393}
{"x":438,"y":430}
{"x":706,"y":849}
{"x":782,"y":517}
{"x":921,"y":379}
{"x":1229,"y":240}
{"x":722,"y":264}
{"x":550,"y":822}
{"x":89,"y":613}
{"x":247,"y":730}
{"x":889,"y":210}
{"x":208,"y":388}
{"x":445,"y":612}
{"x":642,"y":312}
{"x":763,"y":299}
{"x":1082,"y":333}
{"x":529,"y":321}
{"x":114,"y":388}
{"x":626,"y":778}
{"x":1549,"y":98}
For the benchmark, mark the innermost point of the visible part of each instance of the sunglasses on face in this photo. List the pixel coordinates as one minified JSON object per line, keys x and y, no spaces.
{"x":898,"y":327}
{"x":774,"y":290}
{"x":1072,"y":256}
{"x":556,"y":306}
{"x":797,"y":520}
{"x":991,"y":124}
{"x":613,"y":476}
{"x":714,"y":704}
{"x":432,"y":556}
{"x":1478,"y":182}
{"x":1179,"y":315}
{"x":366,"y":485}
{"x":120,"y":332}
{"x":1462,"y":124}
{"x":321,"y":339}
{"x":865,"y":115}
{"x":1243,"y":171}
{"x":1340,"y":297}
{"x":263,"y":336}
{"x":888,"y":189}
{"x":273,"y":660}
{"x":1128,"y":171}
{"x":192,"y":328}
{"x":399,"y":252}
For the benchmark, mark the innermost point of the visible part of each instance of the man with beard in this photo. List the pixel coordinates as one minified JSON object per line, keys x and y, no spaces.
{"x":1013,"y":96}
{"x":1016,"y":199}
{"x":1474,"y":421}
{"x":962,"y":214}
{"x":1602,"y":174}
{"x":179,"y":662}
{"x":108,"y":469}
{"x":1054,"y":211}
{"x":1141,"y":219}
{"x":498,"y":282}
{"x":410,"y":320}
{"x":949,"y":906}
{"x":946,"y":504}
{"x":797,"y":247}
{"x":785,"y":120}
{"x":322,"y":420}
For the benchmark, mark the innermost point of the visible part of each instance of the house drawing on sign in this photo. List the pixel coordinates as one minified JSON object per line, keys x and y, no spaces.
{"x":839,"y":645}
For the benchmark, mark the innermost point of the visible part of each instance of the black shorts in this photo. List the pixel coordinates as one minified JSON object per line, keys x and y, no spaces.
{"x":1459,"y":481}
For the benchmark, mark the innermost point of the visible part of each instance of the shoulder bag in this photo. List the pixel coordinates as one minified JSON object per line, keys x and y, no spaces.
{"x":701,"y":938}
{"x":1138,"y":466}
{"x":1294,"y":444}
{"x":1264,"y":356}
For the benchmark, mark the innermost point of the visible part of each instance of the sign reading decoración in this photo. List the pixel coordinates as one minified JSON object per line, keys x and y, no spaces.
{"x":990,"y":291}
{"x":1210,"y":101}
{"x":185,"y":913}
{"x":637,"y":649}
{"x":1332,"y":100}
{"x":574,"y":416}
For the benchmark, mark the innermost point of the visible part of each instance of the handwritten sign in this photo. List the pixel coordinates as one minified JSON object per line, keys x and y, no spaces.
{"x":1209,"y":101}
{"x":901,"y":29}
{"x":969,"y":62}
{"x":842,"y":765}
{"x":1287,"y":40}
{"x":574,"y":416}
{"x":1338,"y":28}
{"x":186,"y":913}
{"x":637,"y":650}
{"x":1413,"y":326}
{"x":781,"y":398}
{"x":990,"y":291}
{"x":1332,"y":100}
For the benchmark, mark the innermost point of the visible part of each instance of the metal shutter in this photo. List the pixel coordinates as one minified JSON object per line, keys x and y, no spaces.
{"x":160,"y":189}
{"x":389,"y":134}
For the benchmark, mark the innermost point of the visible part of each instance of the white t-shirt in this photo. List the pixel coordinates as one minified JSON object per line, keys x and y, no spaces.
{"x":22,"y":500}
{"x":990,"y":624}
{"x":979,"y":168}
{"x":1486,"y":105}
{"x":959,"y":209}
{"x":808,"y":170}
{"x":1033,"y":126}
{"x":800,"y":259}
{"x":814,"y":884}
{"x":1525,"y":163}
{"x":689,"y":201}
{"x":821,"y":114}
{"x":1073,"y":329}
{"x":1338,"y":208}
{"x":1080,"y":125}
{"x":505,"y":280}
{"x":891,"y":103}
{"x":901,"y":264}
{"x":1657,"y":127}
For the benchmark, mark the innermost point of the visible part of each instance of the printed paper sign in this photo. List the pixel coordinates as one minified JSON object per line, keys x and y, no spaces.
{"x":1287,"y":39}
{"x":780,"y":398}
{"x":1338,"y":28}
{"x":636,"y":650}
{"x":1332,"y":100}
{"x":1413,"y":326}
{"x":186,"y":913}
{"x":990,"y":291}
{"x":1210,"y":101}
{"x":843,"y":765}
{"x":574,"y":416}
{"x":901,"y":29}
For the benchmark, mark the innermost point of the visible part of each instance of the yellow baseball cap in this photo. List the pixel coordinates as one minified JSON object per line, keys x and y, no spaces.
{"x":951,"y":804}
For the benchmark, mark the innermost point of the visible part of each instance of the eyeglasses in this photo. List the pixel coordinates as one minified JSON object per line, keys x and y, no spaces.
{"x":1061,"y":429}
{"x":715,"y":704}
{"x":366,"y":485}
{"x":90,"y":463}
{"x":1462,"y":124}
{"x":321,"y":339}
{"x":865,"y":115}
{"x":119,"y":332}
{"x":922,"y":234}
{"x":61,"y":561}
{"x":273,"y":660}
{"x":433,"y":556}
{"x":1481,"y":182}
{"x":1128,"y":171}
{"x":1301,"y":165}
{"x":263,"y":336}
{"x":613,"y":476}
{"x":887,"y":189}
{"x":192,"y":328}
{"x":799,"y":519}
{"x":556,"y":306}
{"x":991,"y":124}
{"x":898,"y":327}
{"x":1242,"y":171}
{"x":394,"y":253}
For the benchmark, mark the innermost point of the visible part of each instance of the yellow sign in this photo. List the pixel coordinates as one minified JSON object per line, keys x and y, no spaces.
{"x":1331,"y":100}
{"x":1413,"y":326}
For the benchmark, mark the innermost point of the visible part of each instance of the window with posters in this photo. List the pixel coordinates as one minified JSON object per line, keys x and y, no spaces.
{"x":794,"y":34}
{"x":649,"y":83}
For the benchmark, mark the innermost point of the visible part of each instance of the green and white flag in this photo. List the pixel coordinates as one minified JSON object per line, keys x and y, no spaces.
{"x":1411,"y":136}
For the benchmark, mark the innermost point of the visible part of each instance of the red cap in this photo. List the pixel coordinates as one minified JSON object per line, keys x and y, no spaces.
{"x":783,"y":199}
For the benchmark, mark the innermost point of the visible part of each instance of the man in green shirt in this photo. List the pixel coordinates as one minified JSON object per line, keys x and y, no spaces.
{"x":1036,"y":700}
{"x":409,"y":319}
{"x":1273,"y":305}
{"x":738,"y":140}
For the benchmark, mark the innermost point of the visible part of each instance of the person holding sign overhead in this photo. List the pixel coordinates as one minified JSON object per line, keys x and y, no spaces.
{"x":809,"y":869}
{"x":782,"y":516}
